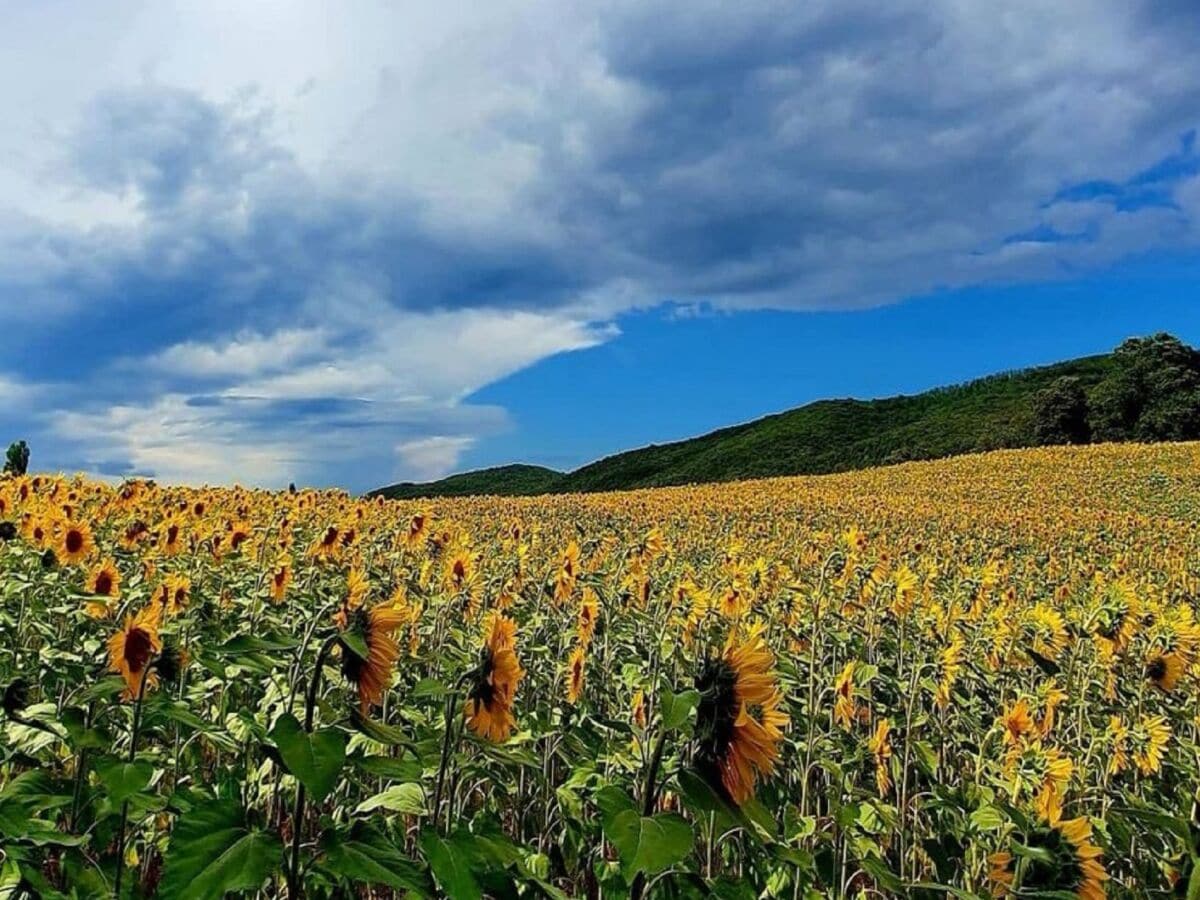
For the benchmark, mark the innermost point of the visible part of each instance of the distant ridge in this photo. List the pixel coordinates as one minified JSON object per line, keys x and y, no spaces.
{"x":1148,"y":389}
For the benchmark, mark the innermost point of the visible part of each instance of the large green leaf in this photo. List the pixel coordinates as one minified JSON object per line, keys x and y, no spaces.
{"x":649,"y":844}
{"x":123,"y":779}
{"x":399,"y":798}
{"x":315,"y":759}
{"x":450,"y":862}
{"x":677,"y":707}
{"x":366,"y":856}
{"x":214,"y":851}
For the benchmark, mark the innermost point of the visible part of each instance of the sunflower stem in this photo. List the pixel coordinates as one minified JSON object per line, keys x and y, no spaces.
{"x":443,"y":765}
{"x":310,"y":703}
{"x":133,"y":741}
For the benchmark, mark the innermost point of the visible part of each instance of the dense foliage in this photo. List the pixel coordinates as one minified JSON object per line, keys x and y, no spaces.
{"x":974,"y":677}
{"x":1147,"y":390}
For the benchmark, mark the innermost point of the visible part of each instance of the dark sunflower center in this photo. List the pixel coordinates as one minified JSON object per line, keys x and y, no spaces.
{"x":137,"y":649}
{"x":716,"y":715}
{"x":104,"y":584}
{"x":74,"y":542}
{"x":331,"y":536}
{"x":482,"y":690}
{"x":1156,"y":670}
{"x":353,"y":664}
{"x":239,"y":537}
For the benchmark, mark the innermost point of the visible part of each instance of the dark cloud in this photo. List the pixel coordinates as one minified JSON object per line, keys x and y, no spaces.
{"x":764,"y":154}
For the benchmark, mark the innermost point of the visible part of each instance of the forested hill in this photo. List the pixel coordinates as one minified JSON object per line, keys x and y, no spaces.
{"x":1148,"y":389}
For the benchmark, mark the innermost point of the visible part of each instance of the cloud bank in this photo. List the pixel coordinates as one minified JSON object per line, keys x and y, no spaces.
{"x":288,"y":242}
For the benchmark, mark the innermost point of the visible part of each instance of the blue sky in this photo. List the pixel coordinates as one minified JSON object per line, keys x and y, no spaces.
{"x":349,"y":244}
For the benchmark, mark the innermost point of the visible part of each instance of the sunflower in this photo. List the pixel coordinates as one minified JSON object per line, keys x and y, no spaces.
{"x":1000,"y":873}
{"x":739,"y":722}
{"x":327,"y":546}
{"x":734,"y":601}
{"x":460,"y":571}
{"x":568,"y":572}
{"x":880,"y":746}
{"x":133,"y":647}
{"x":1045,"y":771}
{"x":575,"y":674}
{"x":845,"y":709}
{"x":172,"y":537}
{"x":1164,"y":670}
{"x":589,"y":611}
{"x":495,"y":681}
{"x":1117,"y":737}
{"x":174,"y":594}
{"x":950,"y":663}
{"x":36,"y":530}
{"x":1066,"y":862}
{"x":74,"y":542}
{"x":372,"y":675}
{"x":281,"y":578}
{"x":1016,"y":722}
{"x":103,"y":581}
{"x":1147,"y":742}
{"x":239,"y":533}
{"x":418,"y":528}
{"x":639,"y":715}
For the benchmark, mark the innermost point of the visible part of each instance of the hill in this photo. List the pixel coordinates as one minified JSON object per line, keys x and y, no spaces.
{"x":1148,"y":389}
{"x":500,"y":480}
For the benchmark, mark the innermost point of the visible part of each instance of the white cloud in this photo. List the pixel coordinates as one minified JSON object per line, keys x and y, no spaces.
{"x":342,"y":221}
{"x":431,"y":457}
{"x":245,"y":354}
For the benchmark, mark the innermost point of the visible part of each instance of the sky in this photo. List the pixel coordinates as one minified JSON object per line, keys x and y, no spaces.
{"x":354,"y":243}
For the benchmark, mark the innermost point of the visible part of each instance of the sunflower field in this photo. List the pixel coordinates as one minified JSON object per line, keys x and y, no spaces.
{"x":968,"y":678}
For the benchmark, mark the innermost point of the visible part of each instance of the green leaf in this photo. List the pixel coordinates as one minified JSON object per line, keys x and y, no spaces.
{"x":677,"y":707}
{"x":649,"y":844}
{"x":314,"y":759}
{"x":105,"y":687}
{"x":389,"y":735}
{"x":242,"y":644}
{"x":1193,"y":888}
{"x":987,"y":818}
{"x":450,"y":864}
{"x":366,"y":856}
{"x":356,"y":643}
{"x":703,"y":801}
{"x":612,"y":801}
{"x":400,"y":798}
{"x":213,"y":851}
{"x":428,"y":688}
{"x":123,"y":779}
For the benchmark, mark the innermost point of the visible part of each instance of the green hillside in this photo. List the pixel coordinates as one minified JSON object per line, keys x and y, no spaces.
{"x":1148,"y":390}
{"x":507,"y":480}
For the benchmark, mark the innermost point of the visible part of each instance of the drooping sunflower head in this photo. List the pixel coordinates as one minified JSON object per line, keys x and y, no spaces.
{"x":739,"y":722}
{"x":1068,"y":861}
{"x":372,"y":675}
{"x":1016,"y":722}
{"x":133,"y":648}
{"x":1164,"y":670}
{"x":589,"y":612}
{"x":494,"y":681}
